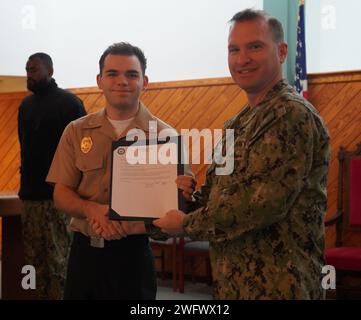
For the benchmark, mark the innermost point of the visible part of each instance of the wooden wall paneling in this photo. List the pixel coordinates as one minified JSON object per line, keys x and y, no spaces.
{"x":213,"y":116}
{"x":14,"y":96}
{"x":100,"y":103}
{"x":349,"y":130}
{"x":9,"y":148}
{"x":8,"y":139}
{"x":3,"y":108}
{"x":187,"y":102}
{"x":342,"y":125}
{"x":337,"y":105}
{"x":88,"y":98}
{"x":91,"y":101}
{"x":234,"y":106}
{"x":186,"y":116}
{"x":175,"y":103}
{"x":13,"y":174}
{"x":211,"y":119}
{"x":146,"y":94}
{"x":9,"y":152}
{"x":323,"y":94}
{"x":8,"y":115}
{"x":8,"y":123}
{"x":160,"y":102}
{"x":149,"y":95}
{"x":192,"y":116}
{"x":337,"y":99}
{"x":316,"y":93}
{"x":92,"y":98}
{"x":178,"y":97}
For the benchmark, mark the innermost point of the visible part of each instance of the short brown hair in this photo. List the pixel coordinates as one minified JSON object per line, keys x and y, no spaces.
{"x":126,"y":49}
{"x":251,"y":14}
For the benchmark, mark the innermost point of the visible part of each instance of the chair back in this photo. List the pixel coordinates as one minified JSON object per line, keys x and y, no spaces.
{"x":349,"y":197}
{"x":355,"y":192}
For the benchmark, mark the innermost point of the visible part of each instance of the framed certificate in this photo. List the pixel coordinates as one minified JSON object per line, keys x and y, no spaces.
{"x":143,"y":175}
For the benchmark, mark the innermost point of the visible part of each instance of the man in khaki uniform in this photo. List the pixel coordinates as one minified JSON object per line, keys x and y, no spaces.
{"x":98,"y":268}
{"x":265,"y":220}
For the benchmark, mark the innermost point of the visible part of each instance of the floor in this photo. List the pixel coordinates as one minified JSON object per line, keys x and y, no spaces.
{"x":196,"y":291}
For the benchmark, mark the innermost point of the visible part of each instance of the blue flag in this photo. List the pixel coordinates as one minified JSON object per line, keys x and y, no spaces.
{"x":301,"y":71}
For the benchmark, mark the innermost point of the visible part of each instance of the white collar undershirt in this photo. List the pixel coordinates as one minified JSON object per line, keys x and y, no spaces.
{"x":120,"y":125}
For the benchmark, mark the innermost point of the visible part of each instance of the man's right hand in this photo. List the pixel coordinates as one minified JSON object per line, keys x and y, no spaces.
{"x":127,"y":227}
{"x":97,"y":215}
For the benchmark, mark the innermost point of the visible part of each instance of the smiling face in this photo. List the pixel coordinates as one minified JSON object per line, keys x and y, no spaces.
{"x":122,"y":81}
{"x":254,"y":57}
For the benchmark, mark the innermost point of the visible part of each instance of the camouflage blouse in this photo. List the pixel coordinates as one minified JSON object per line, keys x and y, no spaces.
{"x":265,"y":220}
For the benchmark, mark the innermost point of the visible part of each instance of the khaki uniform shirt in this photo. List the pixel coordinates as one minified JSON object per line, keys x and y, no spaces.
{"x":83,"y":158}
{"x":265,"y":221}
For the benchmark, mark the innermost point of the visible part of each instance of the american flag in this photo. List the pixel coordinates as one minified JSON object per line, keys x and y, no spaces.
{"x":301,"y":71}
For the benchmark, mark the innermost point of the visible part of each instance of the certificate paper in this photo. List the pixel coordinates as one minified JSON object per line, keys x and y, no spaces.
{"x":143,"y":180}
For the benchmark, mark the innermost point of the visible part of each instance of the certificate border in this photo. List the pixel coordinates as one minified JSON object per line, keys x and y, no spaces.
{"x":182,"y":202}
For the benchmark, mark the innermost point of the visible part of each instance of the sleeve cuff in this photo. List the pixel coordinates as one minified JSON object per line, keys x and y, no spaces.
{"x":155,"y":232}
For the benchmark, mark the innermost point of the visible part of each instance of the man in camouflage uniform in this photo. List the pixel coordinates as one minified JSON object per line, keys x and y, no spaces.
{"x":41,"y":120}
{"x":265,"y":220}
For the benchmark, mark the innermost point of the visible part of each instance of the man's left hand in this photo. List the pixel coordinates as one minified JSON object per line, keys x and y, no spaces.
{"x":188,"y":185}
{"x":171,"y":223}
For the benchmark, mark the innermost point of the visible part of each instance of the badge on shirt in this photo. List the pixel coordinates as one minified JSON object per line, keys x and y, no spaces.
{"x":86,"y":144}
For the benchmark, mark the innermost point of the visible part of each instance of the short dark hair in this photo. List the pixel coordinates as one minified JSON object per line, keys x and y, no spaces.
{"x":44,"y":58}
{"x":251,"y":14}
{"x":126,"y":49}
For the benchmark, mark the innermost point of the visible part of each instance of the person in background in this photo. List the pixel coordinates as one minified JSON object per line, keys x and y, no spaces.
{"x":265,"y":221}
{"x":42,"y":118}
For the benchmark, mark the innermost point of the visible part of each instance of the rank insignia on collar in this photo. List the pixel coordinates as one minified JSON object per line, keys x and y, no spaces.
{"x":86,"y":144}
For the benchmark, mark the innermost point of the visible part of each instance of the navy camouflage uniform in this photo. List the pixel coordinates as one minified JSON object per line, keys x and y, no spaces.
{"x":47,"y":239}
{"x":265,"y":220}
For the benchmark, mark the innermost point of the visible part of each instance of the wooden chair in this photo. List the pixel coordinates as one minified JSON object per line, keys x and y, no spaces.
{"x":160,"y":249}
{"x":189,"y":249}
{"x":346,"y":255}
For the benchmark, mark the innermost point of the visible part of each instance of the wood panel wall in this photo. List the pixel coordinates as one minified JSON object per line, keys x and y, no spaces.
{"x":208,"y":103}
{"x":12,"y":83}
{"x":182,"y":104}
{"x":337,"y":96}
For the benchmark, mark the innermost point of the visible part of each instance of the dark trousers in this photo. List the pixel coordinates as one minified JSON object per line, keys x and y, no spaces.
{"x":123,"y":269}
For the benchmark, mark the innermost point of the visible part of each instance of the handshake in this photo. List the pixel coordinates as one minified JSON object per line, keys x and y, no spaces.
{"x":97,"y":216}
{"x":102,"y":227}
